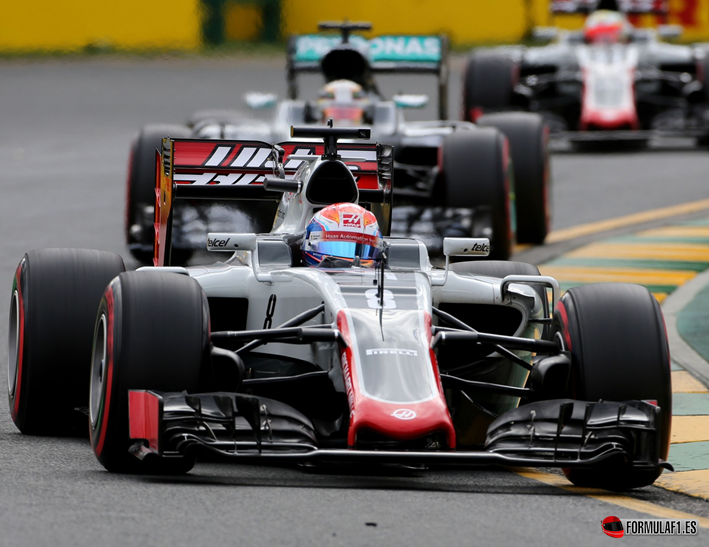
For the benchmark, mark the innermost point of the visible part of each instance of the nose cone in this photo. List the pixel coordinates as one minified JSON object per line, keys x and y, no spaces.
{"x":593,"y":119}
{"x":401,"y":422}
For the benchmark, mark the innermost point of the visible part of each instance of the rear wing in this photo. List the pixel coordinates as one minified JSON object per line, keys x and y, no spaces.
{"x":412,"y":54}
{"x":657,"y":7}
{"x":236,"y":170}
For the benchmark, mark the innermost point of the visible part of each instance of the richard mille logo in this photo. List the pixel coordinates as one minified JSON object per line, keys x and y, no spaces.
{"x":404,"y":414}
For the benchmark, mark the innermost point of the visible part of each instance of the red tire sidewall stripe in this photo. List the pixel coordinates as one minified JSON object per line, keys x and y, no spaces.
{"x":110,"y":308}
{"x":564,"y":325}
{"x":508,"y":207}
{"x":131,"y":159}
{"x":21,"y":341}
{"x":664,"y":333}
{"x":547,"y":175}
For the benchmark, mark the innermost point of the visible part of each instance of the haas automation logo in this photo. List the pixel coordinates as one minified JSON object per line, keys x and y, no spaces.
{"x":404,"y":414}
{"x":351,"y":220}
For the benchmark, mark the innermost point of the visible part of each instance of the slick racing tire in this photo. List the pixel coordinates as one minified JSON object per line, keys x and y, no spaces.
{"x":55,"y":295}
{"x":140,"y":194}
{"x":528,"y":136}
{"x":616,"y":335}
{"x":704,"y":65}
{"x":488,"y":82}
{"x":475,"y":172}
{"x":152,"y":332}
{"x":705,"y":78}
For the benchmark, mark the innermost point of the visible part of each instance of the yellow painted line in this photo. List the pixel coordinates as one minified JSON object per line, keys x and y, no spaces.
{"x":616,"y":499}
{"x":684,"y":382}
{"x":689,"y":429}
{"x":694,"y":483}
{"x":629,"y":220}
{"x":677,"y":231}
{"x":649,"y":251}
{"x":585,"y":274}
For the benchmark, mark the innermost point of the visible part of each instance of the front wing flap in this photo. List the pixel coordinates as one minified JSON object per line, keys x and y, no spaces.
{"x":556,"y":433}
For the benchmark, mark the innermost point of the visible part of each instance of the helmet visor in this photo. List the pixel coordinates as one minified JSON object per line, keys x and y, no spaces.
{"x":616,"y":526}
{"x":609,"y":34}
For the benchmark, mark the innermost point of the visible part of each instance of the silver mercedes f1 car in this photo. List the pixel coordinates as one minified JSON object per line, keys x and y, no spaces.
{"x":324,"y":341}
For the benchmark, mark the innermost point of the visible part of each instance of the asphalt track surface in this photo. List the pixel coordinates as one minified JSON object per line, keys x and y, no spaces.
{"x":64,"y":134}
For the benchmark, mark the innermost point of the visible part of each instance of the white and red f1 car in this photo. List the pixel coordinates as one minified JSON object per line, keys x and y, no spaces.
{"x":628,"y":85}
{"x":262,"y":358}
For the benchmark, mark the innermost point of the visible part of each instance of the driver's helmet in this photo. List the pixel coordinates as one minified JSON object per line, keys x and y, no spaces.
{"x":344,"y":102}
{"x":342,"y":231}
{"x":606,"y":27}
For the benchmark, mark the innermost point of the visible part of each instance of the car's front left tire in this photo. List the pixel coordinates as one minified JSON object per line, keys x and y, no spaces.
{"x":616,"y":336}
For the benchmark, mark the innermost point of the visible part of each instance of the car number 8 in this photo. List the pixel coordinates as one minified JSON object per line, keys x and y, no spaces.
{"x":373,"y":299}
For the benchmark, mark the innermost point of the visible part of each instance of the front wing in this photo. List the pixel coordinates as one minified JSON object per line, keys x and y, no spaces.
{"x":554,"y":433}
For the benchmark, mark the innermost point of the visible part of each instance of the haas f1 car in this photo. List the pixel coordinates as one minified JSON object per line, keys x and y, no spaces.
{"x":607,"y":82}
{"x":324,"y":341}
{"x":489,"y":179}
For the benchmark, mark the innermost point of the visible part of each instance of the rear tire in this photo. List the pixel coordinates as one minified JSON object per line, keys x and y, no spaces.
{"x":140,"y":192}
{"x":152,"y":332}
{"x":619,"y":352}
{"x":488,"y":83}
{"x":529,"y":139}
{"x":55,"y":295}
{"x":475,"y":172}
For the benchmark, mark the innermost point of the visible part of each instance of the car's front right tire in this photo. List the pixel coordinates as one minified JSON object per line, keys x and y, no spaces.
{"x":152,"y":332}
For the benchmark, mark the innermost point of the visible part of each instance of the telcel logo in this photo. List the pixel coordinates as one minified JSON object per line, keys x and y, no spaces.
{"x":480,"y":248}
{"x":218,"y":242}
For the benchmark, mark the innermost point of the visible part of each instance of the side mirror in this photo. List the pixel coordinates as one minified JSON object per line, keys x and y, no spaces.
{"x":223,"y":242}
{"x":260,"y":101}
{"x":669,"y":32}
{"x":410,"y":101}
{"x":461,"y":246}
{"x":466,"y":246}
{"x":545,"y":34}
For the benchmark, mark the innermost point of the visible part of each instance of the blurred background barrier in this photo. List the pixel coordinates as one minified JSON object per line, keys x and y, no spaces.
{"x":37,"y":26}
{"x":86,"y":25}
